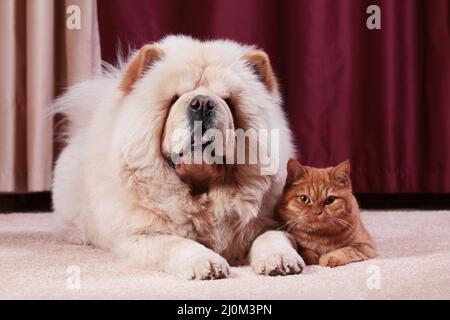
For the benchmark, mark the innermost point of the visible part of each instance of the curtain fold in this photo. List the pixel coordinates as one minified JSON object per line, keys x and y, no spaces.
{"x":378,"y":97}
{"x":38,"y":59}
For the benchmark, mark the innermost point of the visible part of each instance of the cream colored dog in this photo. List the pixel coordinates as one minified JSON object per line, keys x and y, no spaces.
{"x":124,"y":181}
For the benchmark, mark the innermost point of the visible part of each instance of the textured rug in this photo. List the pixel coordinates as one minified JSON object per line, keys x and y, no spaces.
{"x":414,"y":263}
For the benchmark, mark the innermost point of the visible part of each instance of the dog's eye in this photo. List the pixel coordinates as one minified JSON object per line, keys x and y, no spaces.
{"x":230,"y":104}
{"x":305,"y":199}
{"x":329,"y":200}
{"x":174,"y":99}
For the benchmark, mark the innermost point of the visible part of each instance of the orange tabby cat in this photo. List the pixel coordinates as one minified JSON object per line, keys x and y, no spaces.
{"x":320,"y":211}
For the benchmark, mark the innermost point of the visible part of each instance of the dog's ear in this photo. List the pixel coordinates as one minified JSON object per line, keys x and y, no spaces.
{"x":143,"y":59}
{"x":259,"y":61}
{"x":295,"y":172}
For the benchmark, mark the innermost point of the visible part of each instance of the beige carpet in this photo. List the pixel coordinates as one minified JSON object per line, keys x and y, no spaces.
{"x":414,"y":263}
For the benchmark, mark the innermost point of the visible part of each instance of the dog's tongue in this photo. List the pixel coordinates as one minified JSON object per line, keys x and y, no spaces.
{"x":199,"y":175}
{"x":206,"y":139}
{"x":194,"y":153}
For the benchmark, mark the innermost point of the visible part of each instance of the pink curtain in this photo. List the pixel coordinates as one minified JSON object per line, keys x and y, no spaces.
{"x":39,"y":57}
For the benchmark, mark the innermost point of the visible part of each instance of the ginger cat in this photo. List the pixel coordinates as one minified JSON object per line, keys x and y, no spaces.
{"x":319,"y":210}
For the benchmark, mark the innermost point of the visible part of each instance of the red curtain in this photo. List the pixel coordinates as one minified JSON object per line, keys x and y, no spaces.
{"x":378,"y":97}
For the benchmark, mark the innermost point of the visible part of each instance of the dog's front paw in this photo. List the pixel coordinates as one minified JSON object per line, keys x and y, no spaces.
{"x":278,"y":263}
{"x":206,"y":265}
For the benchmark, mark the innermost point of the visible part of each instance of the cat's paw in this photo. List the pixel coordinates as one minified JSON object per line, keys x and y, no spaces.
{"x":330,"y":260}
{"x":309,"y":256}
{"x":278,"y":263}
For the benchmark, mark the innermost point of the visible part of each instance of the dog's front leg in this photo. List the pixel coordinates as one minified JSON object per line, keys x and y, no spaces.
{"x":179,"y":256}
{"x":273,"y":253}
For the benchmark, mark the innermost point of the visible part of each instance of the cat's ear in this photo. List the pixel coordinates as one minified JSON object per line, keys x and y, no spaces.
{"x":143,"y":59}
{"x":259,"y":61}
{"x":341,"y":173}
{"x":295,"y":172}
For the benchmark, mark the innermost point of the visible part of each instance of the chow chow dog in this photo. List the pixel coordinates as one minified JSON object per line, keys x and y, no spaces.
{"x":125,"y":180}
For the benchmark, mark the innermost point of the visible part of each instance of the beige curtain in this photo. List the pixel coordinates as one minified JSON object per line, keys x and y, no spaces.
{"x":39,"y":57}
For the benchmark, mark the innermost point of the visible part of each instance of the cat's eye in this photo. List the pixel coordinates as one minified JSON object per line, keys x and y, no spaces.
{"x":305,"y":199}
{"x":329,"y":200}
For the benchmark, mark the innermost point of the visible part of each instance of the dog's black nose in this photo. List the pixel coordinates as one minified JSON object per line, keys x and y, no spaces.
{"x":202,"y":108}
{"x":202,"y":104}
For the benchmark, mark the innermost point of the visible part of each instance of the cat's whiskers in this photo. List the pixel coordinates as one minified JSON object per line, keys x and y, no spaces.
{"x":340,"y":221}
{"x":292,"y":224}
{"x":288,"y":223}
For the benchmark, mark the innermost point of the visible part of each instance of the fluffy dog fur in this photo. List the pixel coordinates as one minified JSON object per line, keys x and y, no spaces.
{"x":114,"y":188}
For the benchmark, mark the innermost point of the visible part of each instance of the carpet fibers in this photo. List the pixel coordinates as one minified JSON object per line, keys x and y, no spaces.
{"x":414,"y":263}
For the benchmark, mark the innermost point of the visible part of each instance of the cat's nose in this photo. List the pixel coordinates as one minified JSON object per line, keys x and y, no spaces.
{"x":320,"y":215}
{"x":317,"y":211}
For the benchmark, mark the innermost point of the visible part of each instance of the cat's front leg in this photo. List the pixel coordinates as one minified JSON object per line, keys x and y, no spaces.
{"x":310,"y":256}
{"x":344,"y":256}
{"x":182,"y":257}
{"x":273,"y":253}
